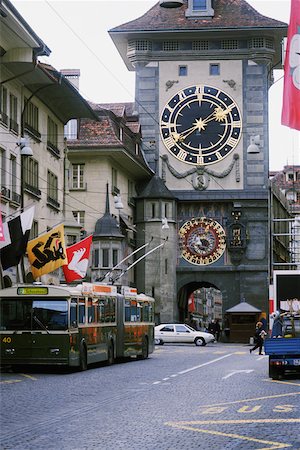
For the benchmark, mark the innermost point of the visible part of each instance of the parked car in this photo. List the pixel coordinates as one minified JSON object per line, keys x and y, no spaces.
{"x":180,"y":332}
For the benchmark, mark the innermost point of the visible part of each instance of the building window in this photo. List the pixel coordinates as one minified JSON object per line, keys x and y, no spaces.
{"x":182,"y":71}
{"x":79,"y":217}
{"x":202,"y":8}
{"x":31,"y":118}
{"x":34,"y":231}
{"x":105,"y":257}
{"x":71,"y":239}
{"x":114,"y":181}
{"x":200,"y":45}
{"x":52,"y":187}
{"x":115,"y":257}
{"x":13,"y":173}
{"x":290,"y":176}
{"x":52,"y":136}
{"x":199,"y":5}
{"x":229,"y":44}
{"x":170,"y":46}
{"x":214,"y":69}
{"x":96,"y":261}
{"x":3,"y":105}
{"x":2,"y":167}
{"x":77,"y":176}
{"x":131,"y":193}
{"x":153,"y":210}
{"x":13,"y":106}
{"x":31,"y":174}
{"x":166,"y":266}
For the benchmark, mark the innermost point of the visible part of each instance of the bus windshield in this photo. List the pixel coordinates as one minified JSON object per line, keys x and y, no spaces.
{"x":33,"y":314}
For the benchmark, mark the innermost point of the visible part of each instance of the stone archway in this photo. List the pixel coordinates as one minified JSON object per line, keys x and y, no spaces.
{"x":184,"y":294}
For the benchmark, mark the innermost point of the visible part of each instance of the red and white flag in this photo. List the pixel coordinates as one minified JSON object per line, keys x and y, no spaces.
{"x":191,"y":303}
{"x":78,"y":260}
{"x":291,"y":91}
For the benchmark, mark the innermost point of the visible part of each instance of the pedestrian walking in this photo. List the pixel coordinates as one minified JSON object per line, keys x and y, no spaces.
{"x":259,"y":338}
{"x":217,"y":330}
{"x":212,"y":327}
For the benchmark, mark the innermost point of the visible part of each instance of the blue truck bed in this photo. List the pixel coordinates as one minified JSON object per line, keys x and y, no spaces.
{"x":282,"y":346}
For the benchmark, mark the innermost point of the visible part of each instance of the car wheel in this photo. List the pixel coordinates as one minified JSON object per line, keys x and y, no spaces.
{"x":158,"y":342}
{"x":199,"y":342}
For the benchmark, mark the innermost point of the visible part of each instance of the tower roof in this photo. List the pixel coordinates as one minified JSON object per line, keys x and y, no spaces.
{"x":227,"y":14}
{"x":156,"y":188}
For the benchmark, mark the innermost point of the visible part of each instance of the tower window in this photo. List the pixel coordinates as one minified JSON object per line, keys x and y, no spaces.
{"x":199,"y":5}
{"x":182,"y":71}
{"x":214,"y":69}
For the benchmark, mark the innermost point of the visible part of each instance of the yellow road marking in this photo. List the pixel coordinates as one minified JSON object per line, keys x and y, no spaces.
{"x":251,"y":399}
{"x":240,"y":353}
{"x":9,"y":381}
{"x":28,"y":376}
{"x":284,"y":382}
{"x":274,"y":445}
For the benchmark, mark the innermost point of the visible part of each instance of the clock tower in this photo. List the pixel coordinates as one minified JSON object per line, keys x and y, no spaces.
{"x":203,"y":71}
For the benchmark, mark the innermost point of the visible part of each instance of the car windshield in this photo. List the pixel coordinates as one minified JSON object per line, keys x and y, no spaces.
{"x":29,"y":314}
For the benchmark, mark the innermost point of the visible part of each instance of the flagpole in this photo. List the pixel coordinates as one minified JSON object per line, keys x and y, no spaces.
{"x":138,"y":260}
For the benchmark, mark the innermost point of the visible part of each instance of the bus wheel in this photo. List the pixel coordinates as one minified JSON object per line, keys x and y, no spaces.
{"x":110,"y":355}
{"x":145,"y":350}
{"x":83,"y":358}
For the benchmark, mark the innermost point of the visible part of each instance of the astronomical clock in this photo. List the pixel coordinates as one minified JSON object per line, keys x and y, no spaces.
{"x":202,"y":241}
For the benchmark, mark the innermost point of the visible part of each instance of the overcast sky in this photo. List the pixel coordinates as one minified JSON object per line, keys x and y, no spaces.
{"x":76,"y":33}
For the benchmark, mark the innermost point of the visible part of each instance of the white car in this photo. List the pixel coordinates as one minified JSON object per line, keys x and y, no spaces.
{"x":180,"y":332}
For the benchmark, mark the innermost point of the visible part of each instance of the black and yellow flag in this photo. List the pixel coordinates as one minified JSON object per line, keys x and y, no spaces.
{"x":47,"y":252}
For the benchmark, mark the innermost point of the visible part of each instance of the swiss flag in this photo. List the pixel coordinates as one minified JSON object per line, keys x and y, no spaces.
{"x":191,"y":303}
{"x":291,"y":92}
{"x":78,"y":260}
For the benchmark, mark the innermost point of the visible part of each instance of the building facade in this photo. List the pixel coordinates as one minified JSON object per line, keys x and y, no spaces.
{"x":36,"y":101}
{"x":203,"y":71}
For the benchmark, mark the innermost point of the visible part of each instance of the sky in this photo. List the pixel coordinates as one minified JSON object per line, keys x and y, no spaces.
{"x":76,"y":31}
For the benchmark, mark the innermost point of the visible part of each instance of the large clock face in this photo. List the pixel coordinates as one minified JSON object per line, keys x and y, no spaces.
{"x":201,"y":125}
{"x":202,"y":240}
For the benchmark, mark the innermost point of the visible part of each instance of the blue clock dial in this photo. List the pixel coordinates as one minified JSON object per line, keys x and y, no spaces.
{"x":201,"y":125}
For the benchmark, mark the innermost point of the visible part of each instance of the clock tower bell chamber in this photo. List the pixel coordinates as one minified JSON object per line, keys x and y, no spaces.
{"x":203,"y":71}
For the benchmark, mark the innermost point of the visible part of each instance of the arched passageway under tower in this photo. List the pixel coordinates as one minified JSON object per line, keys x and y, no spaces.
{"x":199,"y":303}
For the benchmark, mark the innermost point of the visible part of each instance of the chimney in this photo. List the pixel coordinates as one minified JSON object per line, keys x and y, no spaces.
{"x":72,"y":75}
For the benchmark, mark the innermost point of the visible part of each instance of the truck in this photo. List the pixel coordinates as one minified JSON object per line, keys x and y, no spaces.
{"x":284,"y":350}
{"x":283,"y":345}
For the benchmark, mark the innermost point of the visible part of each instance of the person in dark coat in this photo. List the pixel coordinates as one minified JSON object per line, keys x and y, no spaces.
{"x":217,"y":330}
{"x":259,"y":338}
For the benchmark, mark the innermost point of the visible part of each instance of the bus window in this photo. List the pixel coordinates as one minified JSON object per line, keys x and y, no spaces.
{"x":101,"y":316}
{"x":133,"y":311}
{"x":15,"y":315}
{"x":49,"y":314}
{"x":145,"y":313}
{"x":91,"y":311}
{"x":81,"y":310}
{"x":127,"y":311}
{"x":112,"y":310}
{"x":73,"y":313}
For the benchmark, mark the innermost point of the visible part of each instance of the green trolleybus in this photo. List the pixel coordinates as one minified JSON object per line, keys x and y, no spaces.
{"x":74,"y":325}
